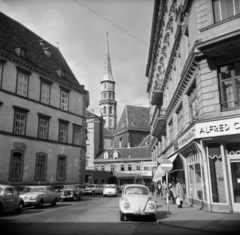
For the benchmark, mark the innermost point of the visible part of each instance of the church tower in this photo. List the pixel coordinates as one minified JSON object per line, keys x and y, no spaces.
{"x":108,"y":105}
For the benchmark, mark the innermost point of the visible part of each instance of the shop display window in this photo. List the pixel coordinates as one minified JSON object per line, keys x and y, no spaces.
{"x":216,"y":173}
{"x":195,"y":190}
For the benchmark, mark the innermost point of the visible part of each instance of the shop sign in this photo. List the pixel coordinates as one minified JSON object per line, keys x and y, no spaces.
{"x":218,"y":128}
{"x":143,"y":173}
{"x":187,"y":137}
{"x":149,"y":164}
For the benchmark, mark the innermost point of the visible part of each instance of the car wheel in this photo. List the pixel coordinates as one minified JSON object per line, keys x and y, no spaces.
{"x":1,"y":209}
{"x":54,"y":202}
{"x":79,"y":198}
{"x":74,"y":198}
{"x":39,"y":205}
{"x":121,"y":216}
{"x":93,"y":192}
{"x":20,"y":207}
{"x":153,"y":218}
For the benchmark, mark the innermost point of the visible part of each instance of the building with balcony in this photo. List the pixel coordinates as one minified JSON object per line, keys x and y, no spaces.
{"x":193,"y":72}
{"x":42,"y":111}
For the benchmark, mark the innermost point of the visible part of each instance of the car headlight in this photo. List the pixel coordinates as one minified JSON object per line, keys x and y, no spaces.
{"x":126,"y":205}
{"x":151,"y":206}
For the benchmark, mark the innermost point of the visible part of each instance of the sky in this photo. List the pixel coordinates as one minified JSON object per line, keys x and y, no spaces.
{"x":79,"y":28}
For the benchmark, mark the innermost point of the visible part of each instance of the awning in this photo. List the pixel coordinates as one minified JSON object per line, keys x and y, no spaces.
{"x":173,"y":157}
{"x":158,"y":174}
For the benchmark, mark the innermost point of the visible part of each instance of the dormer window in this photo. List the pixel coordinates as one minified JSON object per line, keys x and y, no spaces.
{"x":47,"y":51}
{"x":21,"y":52}
{"x":61,"y":73}
{"x":115,"y":155}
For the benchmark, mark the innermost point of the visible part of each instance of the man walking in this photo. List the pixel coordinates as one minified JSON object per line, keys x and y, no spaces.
{"x":180,"y":192}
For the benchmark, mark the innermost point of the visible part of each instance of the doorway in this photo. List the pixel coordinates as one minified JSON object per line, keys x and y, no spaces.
{"x":234,"y":177}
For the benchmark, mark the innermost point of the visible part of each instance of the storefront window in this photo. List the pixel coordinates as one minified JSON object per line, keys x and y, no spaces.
{"x":216,"y":173}
{"x":195,"y":176}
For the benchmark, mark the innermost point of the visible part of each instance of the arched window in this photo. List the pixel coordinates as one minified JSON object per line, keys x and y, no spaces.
{"x":95,"y":181}
{"x":103,"y":181}
{"x":41,"y":166}
{"x":16,"y":166}
{"x":110,"y":110}
{"x":105,"y":95}
{"x":104,"y":110}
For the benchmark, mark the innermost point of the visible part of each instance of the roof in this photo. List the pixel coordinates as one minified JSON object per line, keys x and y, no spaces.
{"x":123,"y":153}
{"x":13,"y":35}
{"x":146,"y":139}
{"x":134,"y":118}
{"x":108,"y":133}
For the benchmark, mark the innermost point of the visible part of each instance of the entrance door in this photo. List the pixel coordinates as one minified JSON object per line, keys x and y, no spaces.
{"x":234,"y":171}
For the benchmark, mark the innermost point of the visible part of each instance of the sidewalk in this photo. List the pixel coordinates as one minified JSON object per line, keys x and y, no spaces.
{"x":192,"y":218}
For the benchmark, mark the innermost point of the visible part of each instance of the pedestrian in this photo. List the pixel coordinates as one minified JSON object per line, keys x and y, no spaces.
{"x":152,"y":188}
{"x":159,"y":189}
{"x":164,"y":190}
{"x":173,"y":192}
{"x":180,"y":192}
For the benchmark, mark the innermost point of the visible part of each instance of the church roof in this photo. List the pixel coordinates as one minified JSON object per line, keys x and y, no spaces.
{"x":14,"y":35}
{"x":126,"y":153}
{"x":108,"y":69}
{"x":134,"y":118}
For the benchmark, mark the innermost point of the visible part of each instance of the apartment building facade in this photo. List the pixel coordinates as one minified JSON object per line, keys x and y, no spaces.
{"x":193,"y":75}
{"x":42,"y":111}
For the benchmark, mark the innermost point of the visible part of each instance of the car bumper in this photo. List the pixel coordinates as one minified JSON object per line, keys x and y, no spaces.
{"x":30,"y":202}
{"x":110,"y":193}
{"x":139,"y":213}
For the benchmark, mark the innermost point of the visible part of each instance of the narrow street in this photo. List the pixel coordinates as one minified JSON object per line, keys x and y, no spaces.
{"x":92,"y":215}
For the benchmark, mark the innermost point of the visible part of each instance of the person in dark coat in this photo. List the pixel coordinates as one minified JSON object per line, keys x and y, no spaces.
{"x":152,"y":188}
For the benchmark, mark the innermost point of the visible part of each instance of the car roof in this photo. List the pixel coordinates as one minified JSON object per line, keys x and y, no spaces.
{"x":6,"y":185}
{"x":135,"y":185}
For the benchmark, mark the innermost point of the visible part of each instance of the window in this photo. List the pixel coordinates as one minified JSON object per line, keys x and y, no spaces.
{"x":61,"y":167}
{"x":20,"y":119}
{"x":22,"y":84}
{"x":16,"y":166}
{"x":171,"y":131}
{"x":95,"y":168}
{"x":104,"y":110}
{"x":64,"y":100}
{"x":63,"y":131}
{"x":224,"y":9}
{"x":138,"y":168}
{"x":110,"y":110}
{"x":110,"y":123}
{"x":192,"y":97}
{"x":77,"y":131}
{"x":129,"y":167}
{"x":102,"y":168}
{"x":112,"y":168}
{"x":41,"y":167}
{"x":180,"y":119}
{"x":105,"y":95}
{"x":230,"y":85}
{"x":45,"y":92}
{"x":122,"y":167}
{"x":110,"y":95}
{"x":43,"y":128}
{"x":21,"y":52}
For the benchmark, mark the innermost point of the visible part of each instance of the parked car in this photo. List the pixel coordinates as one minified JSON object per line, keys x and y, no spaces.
{"x":39,"y":195}
{"x":122,"y":187}
{"x":109,"y":190}
{"x":136,"y":200}
{"x":94,"y":189}
{"x":72,"y":192}
{"x":10,"y":199}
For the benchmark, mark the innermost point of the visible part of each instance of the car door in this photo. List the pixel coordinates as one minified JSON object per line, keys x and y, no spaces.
{"x":50,"y":194}
{"x":15,"y":198}
{"x":8,"y":200}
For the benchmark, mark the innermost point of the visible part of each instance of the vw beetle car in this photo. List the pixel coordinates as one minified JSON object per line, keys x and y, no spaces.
{"x":109,"y":190}
{"x":136,"y":200}
{"x":10,"y":199}
{"x":39,"y":195}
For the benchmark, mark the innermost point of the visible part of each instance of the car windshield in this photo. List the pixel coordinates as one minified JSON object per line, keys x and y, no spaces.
{"x":109,"y":186}
{"x":36,"y":190}
{"x":136,"y":190}
{"x":1,"y":190}
{"x":71,"y":187}
{"x":90,"y":186}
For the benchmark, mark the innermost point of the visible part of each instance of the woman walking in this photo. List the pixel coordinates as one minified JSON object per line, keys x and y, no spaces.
{"x":173,"y":192}
{"x":180,"y":192}
{"x":159,"y":189}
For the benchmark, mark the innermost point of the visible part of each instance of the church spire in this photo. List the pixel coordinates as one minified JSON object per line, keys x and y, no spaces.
{"x":108,"y":70}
